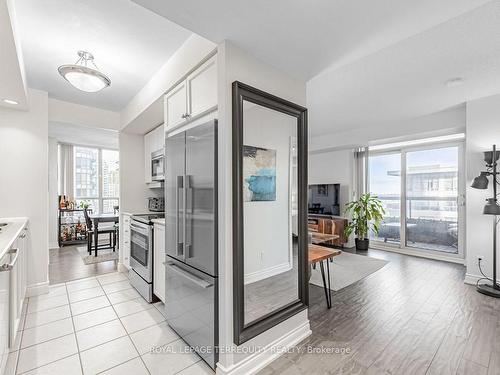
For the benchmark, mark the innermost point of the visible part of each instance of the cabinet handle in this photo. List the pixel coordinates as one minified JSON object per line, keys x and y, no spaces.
{"x":10,"y":266}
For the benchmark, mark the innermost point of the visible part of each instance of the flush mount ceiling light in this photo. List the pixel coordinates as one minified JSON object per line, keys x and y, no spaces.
{"x":454,"y":82}
{"x":83,"y":77}
{"x":10,"y":101}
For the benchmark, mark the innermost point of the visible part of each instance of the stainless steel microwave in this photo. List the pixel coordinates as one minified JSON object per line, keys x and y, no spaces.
{"x":157,"y":166}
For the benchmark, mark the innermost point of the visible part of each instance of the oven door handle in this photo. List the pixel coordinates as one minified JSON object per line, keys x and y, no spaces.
{"x":139,"y":229}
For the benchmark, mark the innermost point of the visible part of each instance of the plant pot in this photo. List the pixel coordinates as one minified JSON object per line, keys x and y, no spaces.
{"x":362,"y":244}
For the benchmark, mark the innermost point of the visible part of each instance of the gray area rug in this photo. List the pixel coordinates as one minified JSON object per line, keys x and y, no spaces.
{"x":104,"y":255}
{"x":346,"y":269}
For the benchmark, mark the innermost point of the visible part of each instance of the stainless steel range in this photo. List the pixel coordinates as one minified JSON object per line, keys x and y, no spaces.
{"x":141,"y":253}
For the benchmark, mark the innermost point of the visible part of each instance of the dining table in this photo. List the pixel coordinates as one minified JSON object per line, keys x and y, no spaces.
{"x":322,"y":254}
{"x":101,"y":218}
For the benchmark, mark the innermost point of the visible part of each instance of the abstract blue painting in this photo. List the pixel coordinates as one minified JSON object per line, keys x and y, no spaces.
{"x":259,"y":174}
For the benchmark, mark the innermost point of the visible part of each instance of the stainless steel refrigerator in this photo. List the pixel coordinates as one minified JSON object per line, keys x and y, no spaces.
{"x":191,"y":237}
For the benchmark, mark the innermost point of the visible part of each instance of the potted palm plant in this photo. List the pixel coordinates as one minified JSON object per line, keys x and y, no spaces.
{"x":366,"y":215}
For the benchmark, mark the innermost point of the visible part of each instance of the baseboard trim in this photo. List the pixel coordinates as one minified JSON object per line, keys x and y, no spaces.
{"x":37,"y":289}
{"x":53,"y":245}
{"x":266,"y":273}
{"x":419,"y":254}
{"x":122,"y":268}
{"x":256,"y":362}
{"x":472,"y":279}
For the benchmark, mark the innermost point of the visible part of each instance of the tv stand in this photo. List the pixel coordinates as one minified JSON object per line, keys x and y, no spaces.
{"x":329,"y":224}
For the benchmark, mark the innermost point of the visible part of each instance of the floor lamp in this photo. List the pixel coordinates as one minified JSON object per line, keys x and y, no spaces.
{"x":491,"y":208}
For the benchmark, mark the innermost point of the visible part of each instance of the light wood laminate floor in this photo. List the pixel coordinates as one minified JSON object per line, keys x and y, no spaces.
{"x":66,"y":264}
{"x":414,"y":316}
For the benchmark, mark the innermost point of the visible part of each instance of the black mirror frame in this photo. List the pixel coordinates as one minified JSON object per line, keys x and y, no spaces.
{"x":242,"y":332}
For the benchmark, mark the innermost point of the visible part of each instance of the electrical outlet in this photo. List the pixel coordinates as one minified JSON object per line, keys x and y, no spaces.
{"x":479,"y":257}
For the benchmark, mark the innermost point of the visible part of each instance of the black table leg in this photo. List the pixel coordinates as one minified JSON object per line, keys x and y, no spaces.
{"x":329,"y":289}
{"x":96,"y":234}
{"x":328,"y":293}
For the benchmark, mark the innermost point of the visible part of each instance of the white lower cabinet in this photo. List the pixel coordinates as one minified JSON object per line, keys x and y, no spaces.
{"x":125,"y":240}
{"x":158,"y":260}
{"x":4,"y":315}
{"x":18,"y":283}
{"x":13,"y":285}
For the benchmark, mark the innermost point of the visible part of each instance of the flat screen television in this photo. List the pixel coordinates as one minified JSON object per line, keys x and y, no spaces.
{"x":323,"y":199}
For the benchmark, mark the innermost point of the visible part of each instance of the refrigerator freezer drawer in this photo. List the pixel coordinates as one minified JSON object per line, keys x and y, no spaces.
{"x":190,"y":303}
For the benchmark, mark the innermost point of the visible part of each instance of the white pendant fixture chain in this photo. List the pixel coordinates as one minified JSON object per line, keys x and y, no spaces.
{"x":84,"y":77}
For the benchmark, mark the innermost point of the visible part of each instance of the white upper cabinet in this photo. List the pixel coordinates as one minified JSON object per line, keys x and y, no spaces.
{"x":159,"y":138}
{"x":202,"y":88}
{"x":148,"y":143}
{"x":153,"y":141}
{"x":194,"y":96}
{"x":176,"y":105}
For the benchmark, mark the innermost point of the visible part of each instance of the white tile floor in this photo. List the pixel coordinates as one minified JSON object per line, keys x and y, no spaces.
{"x":98,"y":325}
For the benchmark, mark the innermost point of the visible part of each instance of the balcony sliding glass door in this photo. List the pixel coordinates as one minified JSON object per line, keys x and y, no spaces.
{"x":427,"y":195}
{"x":385,"y":182}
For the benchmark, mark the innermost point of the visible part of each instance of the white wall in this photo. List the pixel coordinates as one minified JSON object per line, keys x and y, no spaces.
{"x":53,"y":193}
{"x":24,"y":186}
{"x":145,"y":110}
{"x":235,"y":64}
{"x":445,"y":122}
{"x":84,"y":136}
{"x":334,"y":167}
{"x":483,"y":130}
{"x":133,"y":188}
{"x":267,"y":235}
{"x":81,"y":115}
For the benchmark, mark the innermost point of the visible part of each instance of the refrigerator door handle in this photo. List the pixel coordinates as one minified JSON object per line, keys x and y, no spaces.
{"x":193,"y":278}
{"x":188,"y":216}
{"x":178,"y":238}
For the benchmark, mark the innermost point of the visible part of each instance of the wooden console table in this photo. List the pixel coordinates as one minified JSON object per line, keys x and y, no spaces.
{"x":318,"y":238}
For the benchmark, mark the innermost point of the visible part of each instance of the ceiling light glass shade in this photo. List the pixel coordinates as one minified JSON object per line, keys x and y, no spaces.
{"x":492,"y":207}
{"x":480,"y":182}
{"x":488,"y":157}
{"x":83,"y":77}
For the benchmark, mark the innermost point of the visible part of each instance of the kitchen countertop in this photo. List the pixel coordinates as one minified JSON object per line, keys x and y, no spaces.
{"x":159,"y":221}
{"x":10,"y":232}
{"x":135,"y":213}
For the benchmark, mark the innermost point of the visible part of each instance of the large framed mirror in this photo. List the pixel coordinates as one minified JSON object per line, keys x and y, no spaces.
{"x":269,"y":211}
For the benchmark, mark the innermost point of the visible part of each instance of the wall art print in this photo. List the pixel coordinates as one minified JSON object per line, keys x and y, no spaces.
{"x":259,"y":174}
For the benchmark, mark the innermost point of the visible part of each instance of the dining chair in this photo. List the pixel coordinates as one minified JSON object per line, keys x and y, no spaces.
{"x":111,"y":231}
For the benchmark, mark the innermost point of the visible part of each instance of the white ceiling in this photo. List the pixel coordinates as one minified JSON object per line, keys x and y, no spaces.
{"x":407,"y":80}
{"x":129,"y":43}
{"x":12,"y":85}
{"x":367,"y":63}
{"x":304,"y":37}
